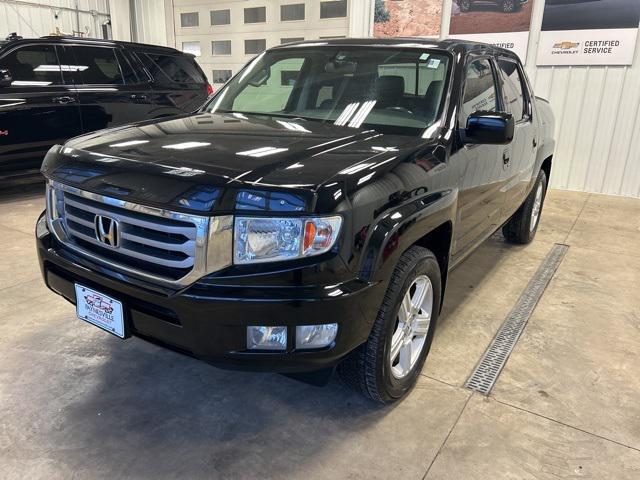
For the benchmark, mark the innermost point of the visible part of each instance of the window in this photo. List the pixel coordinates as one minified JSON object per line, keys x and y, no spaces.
{"x":418,"y":78}
{"x":253,"y":47}
{"x":479,"y":89}
{"x":288,"y":77}
{"x":269,"y":94}
{"x":33,"y":66}
{"x":512,"y":88}
{"x":167,"y":69}
{"x":355,"y":87}
{"x":221,"y":47}
{"x":220,"y":17}
{"x":333,"y":9}
{"x":220,"y":76}
{"x":192,"y":47}
{"x":291,"y":40}
{"x":191,"y":19}
{"x":128,"y":72}
{"x":294,"y":11}
{"x":255,"y":15}
{"x":97,"y":66}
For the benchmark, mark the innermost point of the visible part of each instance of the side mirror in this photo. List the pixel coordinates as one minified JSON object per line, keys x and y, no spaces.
{"x":5,"y":77}
{"x":494,"y":128}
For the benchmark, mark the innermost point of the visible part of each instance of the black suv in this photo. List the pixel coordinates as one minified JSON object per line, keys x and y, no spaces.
{"x":309,"y":214}
{"x":55,"y":88}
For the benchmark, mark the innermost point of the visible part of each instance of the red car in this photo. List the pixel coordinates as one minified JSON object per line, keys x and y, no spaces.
{"x":98,"y":302}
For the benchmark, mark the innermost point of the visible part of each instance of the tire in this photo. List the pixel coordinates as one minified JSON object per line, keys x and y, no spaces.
{"x":523,"y":225}
{"x":370,"y":368}
{"x":465,"y":5}
{"x":509,"y":6}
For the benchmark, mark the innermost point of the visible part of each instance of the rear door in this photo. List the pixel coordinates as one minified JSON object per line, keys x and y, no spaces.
{"x":481,"y":195}
{"x":105,"y":99}
{"x":179,"y":86}
{"x":520,"y":153}
{"x":37,"y":110}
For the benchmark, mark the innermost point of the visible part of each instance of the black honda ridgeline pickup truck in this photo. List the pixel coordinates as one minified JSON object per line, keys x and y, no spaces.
{"x":307,"y":216}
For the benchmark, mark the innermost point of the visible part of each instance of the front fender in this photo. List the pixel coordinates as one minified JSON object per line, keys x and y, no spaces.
{"x":401,"y":227}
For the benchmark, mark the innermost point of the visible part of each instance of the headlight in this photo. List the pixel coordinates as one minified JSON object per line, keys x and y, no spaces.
{"x":260,"y":239}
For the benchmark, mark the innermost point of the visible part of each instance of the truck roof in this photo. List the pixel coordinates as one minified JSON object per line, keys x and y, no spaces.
{"x":450,"y":44}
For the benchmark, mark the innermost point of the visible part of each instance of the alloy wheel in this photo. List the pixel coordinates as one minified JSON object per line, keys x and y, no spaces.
{"x":412,"y":327}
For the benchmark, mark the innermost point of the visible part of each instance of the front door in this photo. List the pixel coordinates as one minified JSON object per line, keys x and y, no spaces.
{"x":37,"y":110}
{"x":520,"y":153}
{"x":481,"y":194}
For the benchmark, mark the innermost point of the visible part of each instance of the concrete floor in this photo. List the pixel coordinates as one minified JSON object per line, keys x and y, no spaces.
{"x":78,"y":403}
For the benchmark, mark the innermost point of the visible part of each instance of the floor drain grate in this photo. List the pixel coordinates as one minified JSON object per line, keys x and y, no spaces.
{"x":494,"y":358}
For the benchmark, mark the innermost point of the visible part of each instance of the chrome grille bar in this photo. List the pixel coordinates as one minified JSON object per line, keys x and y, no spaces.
{"x":161,"y":246}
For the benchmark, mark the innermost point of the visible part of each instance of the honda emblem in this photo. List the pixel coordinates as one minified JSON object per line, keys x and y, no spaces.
{"x":107,"y":231}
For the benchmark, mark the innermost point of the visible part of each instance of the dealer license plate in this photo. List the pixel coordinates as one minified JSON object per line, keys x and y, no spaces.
{"x":100,"y":310}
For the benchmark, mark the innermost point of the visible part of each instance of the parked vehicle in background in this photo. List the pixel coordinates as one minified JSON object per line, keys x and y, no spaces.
{"x":308,"y":216}
{"x":55,"y":88}
{"x":507,"y":6}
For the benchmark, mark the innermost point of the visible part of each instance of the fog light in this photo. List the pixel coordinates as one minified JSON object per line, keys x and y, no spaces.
{"x":315,"y":336}
{"x":266,"y":338}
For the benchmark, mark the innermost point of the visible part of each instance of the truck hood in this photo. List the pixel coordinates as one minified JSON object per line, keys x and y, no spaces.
{"x":191,"y":161}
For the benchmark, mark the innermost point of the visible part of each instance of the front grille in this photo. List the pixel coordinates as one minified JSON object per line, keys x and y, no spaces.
{"x":147,"y":242}
{"x":158,"y":245}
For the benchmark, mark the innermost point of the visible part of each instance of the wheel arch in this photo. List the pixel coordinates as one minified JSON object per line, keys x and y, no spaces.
{"x":427,"y":222}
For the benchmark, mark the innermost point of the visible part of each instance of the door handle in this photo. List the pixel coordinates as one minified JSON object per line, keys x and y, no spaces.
{"x":535,"y":143}
{"x":506,"y":158}
{"x":63,"y":100}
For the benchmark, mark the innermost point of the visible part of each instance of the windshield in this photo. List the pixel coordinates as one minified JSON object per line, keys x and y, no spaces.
{"x":398,"y":90}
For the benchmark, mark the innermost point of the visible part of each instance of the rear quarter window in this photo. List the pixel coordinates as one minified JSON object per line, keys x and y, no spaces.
{"x":169,"y":69}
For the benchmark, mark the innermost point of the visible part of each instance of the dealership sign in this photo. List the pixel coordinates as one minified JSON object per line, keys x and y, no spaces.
{"x":493,"y":22}
{"x":595,"y":32}
{"x":517,"y":42}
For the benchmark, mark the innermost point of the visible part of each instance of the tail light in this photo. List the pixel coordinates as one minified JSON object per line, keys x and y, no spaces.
{"x":209,"y":89}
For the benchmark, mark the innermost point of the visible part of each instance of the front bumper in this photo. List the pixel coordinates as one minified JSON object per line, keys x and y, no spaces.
{"x":210,"y":322}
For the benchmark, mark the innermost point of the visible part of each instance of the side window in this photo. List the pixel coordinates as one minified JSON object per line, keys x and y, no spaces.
{"x":128,"y":72}
{"x":97,"y":66}
{"x":35,"y":65}
{"x":479,"y":89}
{"x":269,"y":91}
{"x":168,"y":69}
{"x":417,"y":76}
{"x":512,"y":88}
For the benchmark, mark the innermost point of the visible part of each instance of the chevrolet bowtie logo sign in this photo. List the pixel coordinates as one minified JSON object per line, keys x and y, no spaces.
{"x":107,"y":231}
{"x":566,"y":45}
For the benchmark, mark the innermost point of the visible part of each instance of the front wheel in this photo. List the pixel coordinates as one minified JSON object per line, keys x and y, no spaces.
{"x":522,"y":227}
{"x":388,"y":364}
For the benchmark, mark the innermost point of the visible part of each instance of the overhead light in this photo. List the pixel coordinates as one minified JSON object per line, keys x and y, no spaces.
{"x":295,"y":165}
{"x":385,"y":149}
{"x":355,"y":168}
{"x":60,"y":68}
{"x":293,"y":126}
{"x":186,"y":145}
{"x":262,"y":152}
{"x":25,"y":83}
{"x":130,"y":143}
{"x":362,"y":114}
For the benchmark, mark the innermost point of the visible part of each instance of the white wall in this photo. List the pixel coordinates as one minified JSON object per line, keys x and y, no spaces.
{"x":31,"y":20}
{"x":597,"y":113}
